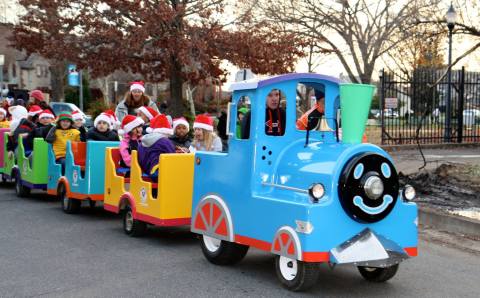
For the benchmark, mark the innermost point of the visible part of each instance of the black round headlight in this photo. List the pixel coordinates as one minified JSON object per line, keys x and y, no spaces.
{"x":368,"y":187}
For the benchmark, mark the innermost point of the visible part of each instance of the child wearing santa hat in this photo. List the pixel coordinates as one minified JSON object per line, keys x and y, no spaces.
{"x":79,"y":123}
{"x":132,"y":134}
{"x":147,"y":114}
{"x":180,"y":138}
{"x":33,"y":113}
{"x":45,"y":122}
{"x":19,"y":126}
{"x":4,"y":123}
{"x":115,"y":123}
{"x":153,"y":144}
{"x":204,"y":137}
{"x":102,"y":129}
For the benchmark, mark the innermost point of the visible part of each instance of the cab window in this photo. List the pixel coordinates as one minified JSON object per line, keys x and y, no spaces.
{"x":310,"y":109}
{"x":242,"y":131}
{"x":275,"y":116}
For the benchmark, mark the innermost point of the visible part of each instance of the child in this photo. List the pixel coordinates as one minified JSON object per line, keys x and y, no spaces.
{"x":153,"y":144}
{"x":78,"y":123}
{"x":146,"y":114}
{"x":132,"y":134}
{"x":115,"y":123}
{"x":4,"y":123}
{"x":102,"y":130}
{"x":45,"y":123}
{"x":59,"y":135}
{"x":19,"y":126}
{"x":240,"y":115}
{"x":33,"y":113}
{"x":180,"y":138}
{"x":204,"y":137}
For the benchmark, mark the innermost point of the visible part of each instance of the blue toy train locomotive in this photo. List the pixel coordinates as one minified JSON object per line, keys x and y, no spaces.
{"x":305,"y":196}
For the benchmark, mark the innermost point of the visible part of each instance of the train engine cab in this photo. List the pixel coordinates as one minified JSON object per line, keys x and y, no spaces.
{"x":289,"y":185}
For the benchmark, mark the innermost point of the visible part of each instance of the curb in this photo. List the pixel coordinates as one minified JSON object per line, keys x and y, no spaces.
{"x":449,"y":223}
{"x":395,"y":148}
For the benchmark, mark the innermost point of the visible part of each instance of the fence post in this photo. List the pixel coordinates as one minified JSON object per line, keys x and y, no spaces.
{"x":461,"y":99}
{"x":382,"y":104}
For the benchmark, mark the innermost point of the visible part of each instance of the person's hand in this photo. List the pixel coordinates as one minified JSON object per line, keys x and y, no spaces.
{"x":10,"y":154}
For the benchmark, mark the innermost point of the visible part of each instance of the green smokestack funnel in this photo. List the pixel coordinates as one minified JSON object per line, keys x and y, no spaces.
{"x":355,"y":101}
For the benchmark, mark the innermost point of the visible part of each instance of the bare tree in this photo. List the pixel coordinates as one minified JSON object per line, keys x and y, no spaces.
{"x":357,"y":32}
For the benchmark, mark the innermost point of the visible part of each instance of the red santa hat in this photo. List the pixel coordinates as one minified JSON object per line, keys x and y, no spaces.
{"x":105,"y":118}
{"x":77,"y":115}
{"x":203,"y":121}
{"x":3,"y":111}
{"x":129,"y":122}
{"x":139,"y":85}
{"x":148,"y":111}
{"x":160,"y":124}
{"x":113,"y":118}
{"x":180,"y":121}
{"x":37,"y":94}
{"x":46,"y":114}
{"x":34,"y":110}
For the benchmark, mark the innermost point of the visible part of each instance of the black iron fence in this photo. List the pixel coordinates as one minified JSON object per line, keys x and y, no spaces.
{"x":415,"y":107}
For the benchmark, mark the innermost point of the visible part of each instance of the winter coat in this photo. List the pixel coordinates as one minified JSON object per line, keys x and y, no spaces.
{"x":95,"y":135}
{"x":41,"y":131}
{"x":5,"y":124}
{"x":83,"y":133}
{"x":183,"y":143}
{"x":25,"y":126}
{"x":127,"y":145}
{"x":123,"y":110}
{"x":149,"y":151}
{"x":59,"y":137}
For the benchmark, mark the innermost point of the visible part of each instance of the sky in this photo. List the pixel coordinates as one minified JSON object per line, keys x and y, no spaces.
{"x":330,"y":65}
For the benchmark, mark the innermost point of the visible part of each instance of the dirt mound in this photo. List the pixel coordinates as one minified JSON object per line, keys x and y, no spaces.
{"x":450,"y":186}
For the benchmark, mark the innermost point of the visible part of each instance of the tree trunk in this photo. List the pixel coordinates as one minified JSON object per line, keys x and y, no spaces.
{"x":176,"y":88}
{"x":57,"y":74}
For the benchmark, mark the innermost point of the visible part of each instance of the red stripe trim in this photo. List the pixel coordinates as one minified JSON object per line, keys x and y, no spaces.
{"x":260,"y":244}
{"x":315,"y":256}
{"x":80,"y":196}
{"x":111,"y":208}
{"x":163,"y":222}
{"x":411,"y":251}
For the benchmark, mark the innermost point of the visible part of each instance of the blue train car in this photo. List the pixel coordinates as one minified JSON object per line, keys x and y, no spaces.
{"x":304,"y":195}
{"x":84,"y":176}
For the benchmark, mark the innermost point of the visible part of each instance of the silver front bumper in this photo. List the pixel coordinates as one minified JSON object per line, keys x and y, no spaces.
{"x":368,"y":249}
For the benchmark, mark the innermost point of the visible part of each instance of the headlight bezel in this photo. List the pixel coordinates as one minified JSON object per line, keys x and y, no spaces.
{"x":409,"y":193}
{"x":316,"y":191}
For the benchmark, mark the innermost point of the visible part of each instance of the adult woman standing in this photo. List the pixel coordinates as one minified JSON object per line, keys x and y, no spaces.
{"x":134,"y":99}
{"x":38,"y":99}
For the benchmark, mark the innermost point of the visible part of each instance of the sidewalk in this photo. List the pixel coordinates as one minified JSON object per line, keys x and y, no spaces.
{"x":409,"y":161}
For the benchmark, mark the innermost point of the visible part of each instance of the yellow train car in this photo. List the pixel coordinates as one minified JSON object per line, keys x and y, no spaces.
{"x":164,"y":202}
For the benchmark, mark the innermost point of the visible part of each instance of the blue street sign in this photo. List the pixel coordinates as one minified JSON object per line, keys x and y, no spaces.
{"x":73,"y":75}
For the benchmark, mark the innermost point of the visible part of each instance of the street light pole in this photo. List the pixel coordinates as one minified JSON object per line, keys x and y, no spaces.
{"x":2,"y":61}
{"x":451,"y":19}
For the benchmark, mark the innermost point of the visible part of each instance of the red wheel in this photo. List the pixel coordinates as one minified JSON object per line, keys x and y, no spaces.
{"x":286,"y":243}
{"x":213,"y":219}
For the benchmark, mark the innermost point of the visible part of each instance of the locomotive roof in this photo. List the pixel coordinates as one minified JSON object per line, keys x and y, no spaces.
{"x":258,"y":83}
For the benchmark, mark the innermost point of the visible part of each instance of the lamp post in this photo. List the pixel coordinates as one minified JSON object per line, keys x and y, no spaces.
{"x":2,"y":61}
{"x":451,"y":18}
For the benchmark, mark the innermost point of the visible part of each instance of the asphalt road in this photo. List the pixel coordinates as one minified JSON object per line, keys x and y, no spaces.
{"x":44,"y":252}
